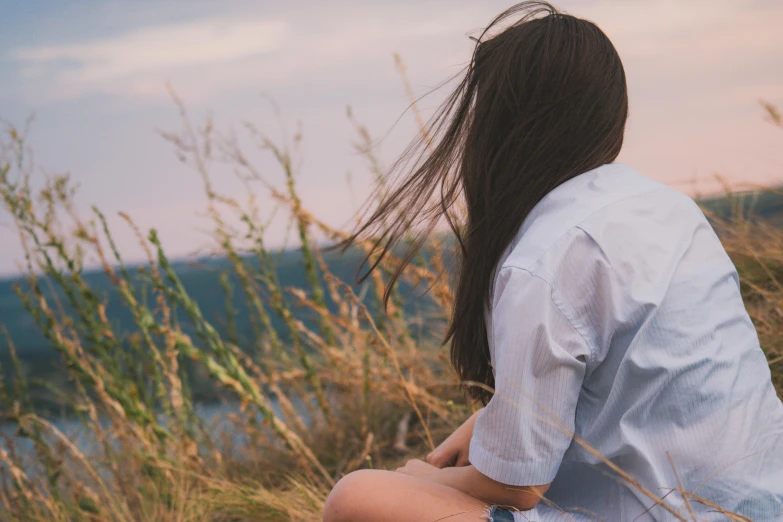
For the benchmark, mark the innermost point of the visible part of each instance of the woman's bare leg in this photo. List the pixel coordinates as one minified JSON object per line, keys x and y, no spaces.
{"x":387,"y":496}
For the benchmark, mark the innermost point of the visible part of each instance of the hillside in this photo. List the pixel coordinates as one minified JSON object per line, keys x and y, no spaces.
{"x":204,"y":280}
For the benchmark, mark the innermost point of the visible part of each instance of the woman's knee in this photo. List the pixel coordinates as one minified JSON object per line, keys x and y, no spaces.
{"x":352,"y":496}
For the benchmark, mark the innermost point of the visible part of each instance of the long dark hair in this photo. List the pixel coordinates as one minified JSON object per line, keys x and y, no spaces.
{"x":540,"y":102}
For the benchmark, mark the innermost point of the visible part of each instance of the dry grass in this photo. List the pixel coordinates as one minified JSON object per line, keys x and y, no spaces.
{"x":354,"y":372}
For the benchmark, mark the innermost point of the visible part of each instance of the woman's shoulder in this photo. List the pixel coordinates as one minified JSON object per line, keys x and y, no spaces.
{"x":620,"y":257}
{"x":609,"y":211}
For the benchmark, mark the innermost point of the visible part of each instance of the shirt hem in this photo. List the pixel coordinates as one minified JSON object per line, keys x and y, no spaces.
{"x":512,"y":473}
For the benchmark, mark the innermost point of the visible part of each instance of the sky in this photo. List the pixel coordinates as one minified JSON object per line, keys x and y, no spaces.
{"x":94,"y":75}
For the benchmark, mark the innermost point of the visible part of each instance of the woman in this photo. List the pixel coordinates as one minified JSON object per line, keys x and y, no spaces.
{"x":598,"y":304}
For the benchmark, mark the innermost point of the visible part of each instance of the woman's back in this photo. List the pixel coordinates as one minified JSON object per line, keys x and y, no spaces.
{"x":676,"y":390}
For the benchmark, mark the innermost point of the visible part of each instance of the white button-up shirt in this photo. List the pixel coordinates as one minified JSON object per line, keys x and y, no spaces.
{"x":617,"y":329}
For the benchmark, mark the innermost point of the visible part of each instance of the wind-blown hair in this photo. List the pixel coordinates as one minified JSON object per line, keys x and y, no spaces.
{"x":540,"y":102}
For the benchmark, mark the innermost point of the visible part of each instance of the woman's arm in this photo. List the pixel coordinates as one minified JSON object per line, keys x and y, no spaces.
{"x":521,"y":436}
{"x":470,"y":481}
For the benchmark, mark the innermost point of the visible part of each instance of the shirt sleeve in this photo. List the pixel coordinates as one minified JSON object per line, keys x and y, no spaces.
{"x":539,"y":359}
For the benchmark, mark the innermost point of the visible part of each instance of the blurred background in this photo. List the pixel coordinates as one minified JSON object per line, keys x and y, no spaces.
{"x":94,"y":74}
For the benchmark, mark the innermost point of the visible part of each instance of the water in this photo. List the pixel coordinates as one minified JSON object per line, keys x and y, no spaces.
{"x":216,"y":419}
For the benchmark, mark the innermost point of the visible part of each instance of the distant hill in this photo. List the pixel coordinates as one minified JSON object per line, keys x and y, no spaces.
{"x":201,"y":279}
{"x":767,"y":205}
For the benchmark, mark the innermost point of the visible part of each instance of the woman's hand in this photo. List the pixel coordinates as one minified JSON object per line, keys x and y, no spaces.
{"x":417,"y":468}
{"x":453,"y":452}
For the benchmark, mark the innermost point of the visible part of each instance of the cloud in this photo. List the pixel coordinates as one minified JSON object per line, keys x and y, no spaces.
{"x":258,"y":49}
{"x":148,"y":52}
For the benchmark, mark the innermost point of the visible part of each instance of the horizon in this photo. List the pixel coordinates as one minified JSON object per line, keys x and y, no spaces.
{"x":195,"y":259}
